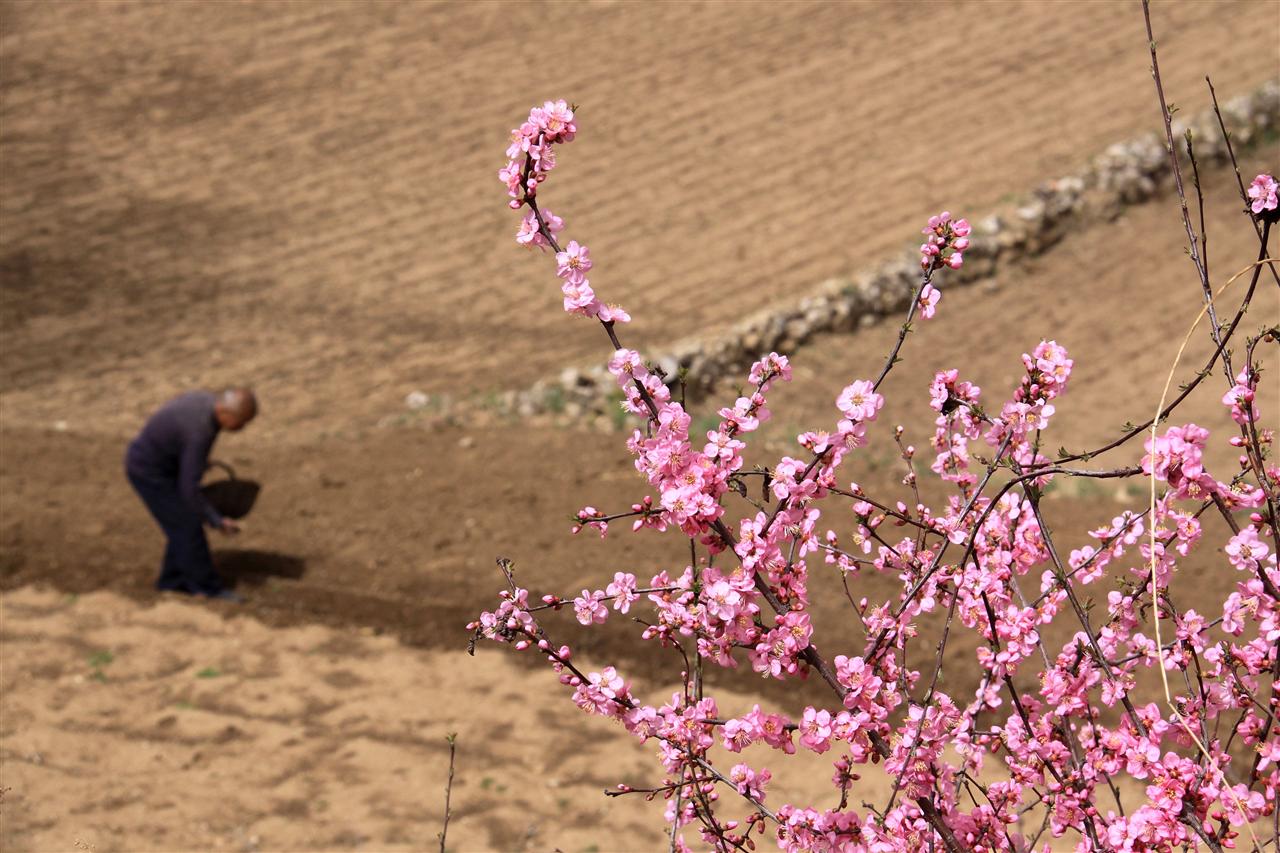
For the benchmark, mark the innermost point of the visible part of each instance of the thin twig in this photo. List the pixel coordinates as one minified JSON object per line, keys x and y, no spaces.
{"x":1187,"y":817}
{"x":452,"y":737}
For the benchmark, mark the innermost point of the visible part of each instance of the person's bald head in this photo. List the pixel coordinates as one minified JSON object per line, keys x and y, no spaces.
{"x":234,"y":408}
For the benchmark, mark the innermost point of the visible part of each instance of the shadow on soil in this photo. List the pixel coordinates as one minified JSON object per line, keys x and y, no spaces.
{"x":253,"y":567}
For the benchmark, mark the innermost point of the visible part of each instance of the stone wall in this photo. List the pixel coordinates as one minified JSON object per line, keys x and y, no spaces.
{"x":1127,"y":173}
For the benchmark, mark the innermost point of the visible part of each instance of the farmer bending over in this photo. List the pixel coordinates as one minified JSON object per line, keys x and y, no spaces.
{"x":165,"y":464}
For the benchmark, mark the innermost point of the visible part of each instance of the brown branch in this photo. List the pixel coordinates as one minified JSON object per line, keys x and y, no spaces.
{"x":452,"y":737}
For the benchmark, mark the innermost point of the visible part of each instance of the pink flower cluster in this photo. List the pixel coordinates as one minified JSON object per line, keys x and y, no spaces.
{"x":945,"y":242}
{"x":1241,"y":397}
{"x":1055,"y":717}
{"x":690,"y":481}
{"x":591,"y":517}
{"x":959,"y":421}
{"x":1177,"y":458}
{"x":530,"y":233}
{"x":1048,"y":369}
{"x":531,"y":156}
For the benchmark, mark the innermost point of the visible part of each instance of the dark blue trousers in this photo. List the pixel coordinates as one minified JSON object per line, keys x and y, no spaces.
{"x":188,"y":565}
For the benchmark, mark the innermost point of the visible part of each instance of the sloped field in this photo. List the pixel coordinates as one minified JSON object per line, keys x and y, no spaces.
{"x":302,"y":196}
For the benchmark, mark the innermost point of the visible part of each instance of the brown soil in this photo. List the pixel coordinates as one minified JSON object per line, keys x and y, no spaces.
{"x":170,"y":727}
{"x":303,"y":196}
{"x":306,"y":194}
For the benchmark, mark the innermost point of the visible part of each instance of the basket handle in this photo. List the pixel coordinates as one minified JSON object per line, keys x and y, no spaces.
{"x":214,"y":463}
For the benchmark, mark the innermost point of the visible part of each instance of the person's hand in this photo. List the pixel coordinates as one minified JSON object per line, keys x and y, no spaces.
{"x":230,"y":526}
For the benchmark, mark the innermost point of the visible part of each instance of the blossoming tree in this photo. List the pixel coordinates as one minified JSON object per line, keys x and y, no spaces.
{"x":967,"y":770}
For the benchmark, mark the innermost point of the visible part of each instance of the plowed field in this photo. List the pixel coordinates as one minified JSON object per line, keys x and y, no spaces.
{"x":303,"y":197}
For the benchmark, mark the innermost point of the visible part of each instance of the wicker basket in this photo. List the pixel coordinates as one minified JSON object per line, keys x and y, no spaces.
{"x":231,"y":497}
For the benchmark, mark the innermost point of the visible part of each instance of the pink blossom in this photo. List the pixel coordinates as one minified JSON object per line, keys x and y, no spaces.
{"x":859,"y":401}
{"x":773,"y":729}
{"x":861,"y":684}
{"x":556,"y":118}
{"x":1241,"y":398}
{"x":543,"y":156}
{"x":722,"y":600}
{"x":722,"y":445}
{"x":611,"y":313}
{"x":623,"y":590}
{"x":604,"y":693}
{"x":749,"y":782}
{"x":851,"y":434}
{"x":929,"y":298}
{"x":815,"y":730}
{"x":1246,"y":551}
{"x":1263,"y":192}
{"x":626,"y":364}
{"x":572,"y":264}
{"x":510,"y":175}
{"x":738,"y":734}
{"x":521,"y":138}
{"x":529,"y":234}
{"x":589,"y":608}
{"x":579,"y":298}
{"x":1053,"y":366}
{"x":1241,"y":805}
{"x":772,"y":366}
{"x":745,"y":416}
{"x":1269,"y":753}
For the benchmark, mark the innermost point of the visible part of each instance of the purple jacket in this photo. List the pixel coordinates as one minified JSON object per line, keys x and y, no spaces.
{"x":173,"y":448}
